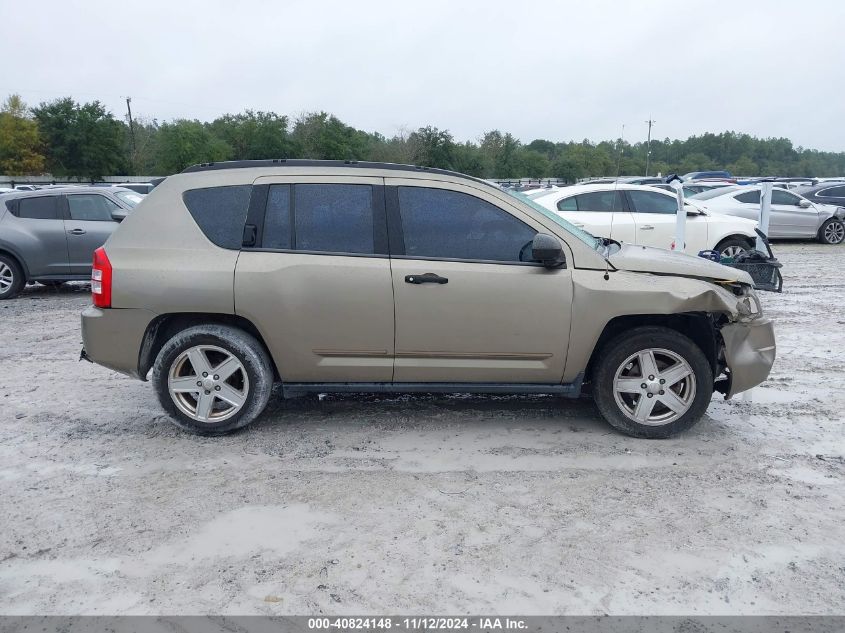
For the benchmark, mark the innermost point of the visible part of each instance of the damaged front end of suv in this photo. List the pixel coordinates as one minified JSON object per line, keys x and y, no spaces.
{"x":714,"y":305}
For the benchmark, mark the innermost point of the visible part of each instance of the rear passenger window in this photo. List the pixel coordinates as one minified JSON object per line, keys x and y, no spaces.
{"x":603,"y":201}
{"x":334,"y":218}
{"x":833,"y":192}
{"x":40,"y":208}
{"x":220,"y":212}
{"x":454,"y":225}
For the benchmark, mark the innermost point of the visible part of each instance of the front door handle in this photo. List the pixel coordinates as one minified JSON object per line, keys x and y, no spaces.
{"x":427,"y":278}
{"x":77,"y":231}
{"x":647,"y":227}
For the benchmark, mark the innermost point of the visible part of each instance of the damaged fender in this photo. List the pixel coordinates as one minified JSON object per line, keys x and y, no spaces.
{"x":749,"y":353}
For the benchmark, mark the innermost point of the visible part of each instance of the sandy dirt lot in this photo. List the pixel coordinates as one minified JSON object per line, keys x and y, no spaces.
{"x":422,"y":504}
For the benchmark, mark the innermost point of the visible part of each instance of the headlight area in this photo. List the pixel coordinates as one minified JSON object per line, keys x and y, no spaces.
{"x":748,"y":304}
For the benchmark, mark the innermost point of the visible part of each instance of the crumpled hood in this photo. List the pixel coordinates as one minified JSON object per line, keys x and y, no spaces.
{"x":644,"y":259}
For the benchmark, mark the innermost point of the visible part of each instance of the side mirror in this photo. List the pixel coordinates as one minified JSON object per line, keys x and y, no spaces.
{"x":119,"y":215}
{"x":691,"y":210}
{"x":547,"y":249}
{"x":804,"y":204}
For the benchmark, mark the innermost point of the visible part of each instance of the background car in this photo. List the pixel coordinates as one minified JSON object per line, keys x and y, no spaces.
{"x":700,"y":175}
{"x":138,"y":187}
{"x":639,"y":214}
{"x":792,"y":215}
{"x":830,"y":192}
{"x":692,"y":188}
{"x":50,"y":235}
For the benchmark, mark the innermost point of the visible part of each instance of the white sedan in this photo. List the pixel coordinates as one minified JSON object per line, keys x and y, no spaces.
{"x":639,"y":214}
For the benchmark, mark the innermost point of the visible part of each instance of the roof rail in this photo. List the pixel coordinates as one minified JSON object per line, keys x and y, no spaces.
{"x":302,"y":162}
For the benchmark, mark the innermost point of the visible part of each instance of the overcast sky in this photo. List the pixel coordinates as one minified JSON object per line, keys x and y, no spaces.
{"x":555,"y":70}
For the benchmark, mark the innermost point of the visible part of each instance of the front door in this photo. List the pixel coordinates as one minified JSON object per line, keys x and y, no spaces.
{"x":790,"y":218}
{"x":317,"y":281}
{"x":471,"y":306}
{"x":88,"y":224}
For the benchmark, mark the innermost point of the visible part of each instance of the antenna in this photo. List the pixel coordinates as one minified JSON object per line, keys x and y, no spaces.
{"x":648,"y":145}
{"x":615,"y":196}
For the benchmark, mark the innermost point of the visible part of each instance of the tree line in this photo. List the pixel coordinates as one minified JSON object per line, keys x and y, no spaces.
{"x":84,"y":140}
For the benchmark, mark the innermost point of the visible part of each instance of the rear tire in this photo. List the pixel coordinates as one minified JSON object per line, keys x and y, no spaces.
{"x":627,"y":383}
{"x":213,"y":379}
{"x":832,"y":231}
{"x":733,"y":246}
{"x":12,"y":279}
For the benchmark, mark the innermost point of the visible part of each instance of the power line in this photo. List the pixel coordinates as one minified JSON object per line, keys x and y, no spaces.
{"x":648,"y":145}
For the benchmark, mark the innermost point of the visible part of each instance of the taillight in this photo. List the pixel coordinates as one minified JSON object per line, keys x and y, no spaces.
{"x":101,"y":279}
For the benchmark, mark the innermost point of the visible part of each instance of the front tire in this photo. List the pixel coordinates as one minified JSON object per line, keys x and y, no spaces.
{"x":832,"y":231}
{"x":733,"y":246}
{"x":12,"y":279}
{"x":652,"y":382}
{"x":213,"y":379}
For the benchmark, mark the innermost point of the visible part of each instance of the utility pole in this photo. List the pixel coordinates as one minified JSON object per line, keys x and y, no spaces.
{"x":648,"y":146}
{"x":131,"y":128}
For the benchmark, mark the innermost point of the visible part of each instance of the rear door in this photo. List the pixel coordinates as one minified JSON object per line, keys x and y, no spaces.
{"x":36,"y":231}
{"x":601,"y":213}
{"x":471,"y":306}
{"x":314,"y":277}
{"x":655,"y":218}
{"x":88,"y":224}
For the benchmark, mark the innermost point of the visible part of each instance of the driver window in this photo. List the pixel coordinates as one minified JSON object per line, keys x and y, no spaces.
{"x":91,"y":207}
{"x":779,"y":196}
{"x":454,"y":225}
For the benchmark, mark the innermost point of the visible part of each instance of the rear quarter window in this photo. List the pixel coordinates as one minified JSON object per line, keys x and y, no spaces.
{"x":220,"y":212}
{"x":38,"y":208}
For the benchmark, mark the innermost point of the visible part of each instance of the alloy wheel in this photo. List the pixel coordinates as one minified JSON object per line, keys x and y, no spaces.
{"x":7,"y":277}
{"x":834,"y":233}
{"x":732,"y":251}
{"x":654,"y":386}
{"x":208,"y":384}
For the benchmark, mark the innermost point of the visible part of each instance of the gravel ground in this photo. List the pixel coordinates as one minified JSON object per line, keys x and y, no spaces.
{"x":420,"y":504}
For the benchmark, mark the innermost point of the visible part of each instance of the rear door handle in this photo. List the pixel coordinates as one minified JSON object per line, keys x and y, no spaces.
{"x":77,"y":231}
{"x":427,"y":278}
{"x":647,"y":227}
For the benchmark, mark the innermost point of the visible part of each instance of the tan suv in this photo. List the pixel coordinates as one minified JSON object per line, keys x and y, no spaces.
{"x":364,"y":277}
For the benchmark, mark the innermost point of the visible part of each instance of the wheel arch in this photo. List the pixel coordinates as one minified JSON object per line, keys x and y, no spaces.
{"x":700,"y":327}
{"x":165,"y":326}
{"x":8,"y":251}
{"x":748,"y":239}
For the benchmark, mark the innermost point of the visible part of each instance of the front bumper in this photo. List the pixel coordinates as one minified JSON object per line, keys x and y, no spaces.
{"x":112,"y":337}
{"x":749,"y":353}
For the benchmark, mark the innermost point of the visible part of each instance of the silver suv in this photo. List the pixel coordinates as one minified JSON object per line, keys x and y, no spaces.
{"x":364,"y":277}
{"x":49,"y":235}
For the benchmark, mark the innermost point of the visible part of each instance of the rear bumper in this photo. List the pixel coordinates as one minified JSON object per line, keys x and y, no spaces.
{"x":112,"y":337}
{"x":749,"y":353}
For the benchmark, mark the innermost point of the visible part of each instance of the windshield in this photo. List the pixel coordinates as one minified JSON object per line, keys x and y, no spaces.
{"x":581,"y":234}
{"x":716,"y":191}
{"x":130,"y":197}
